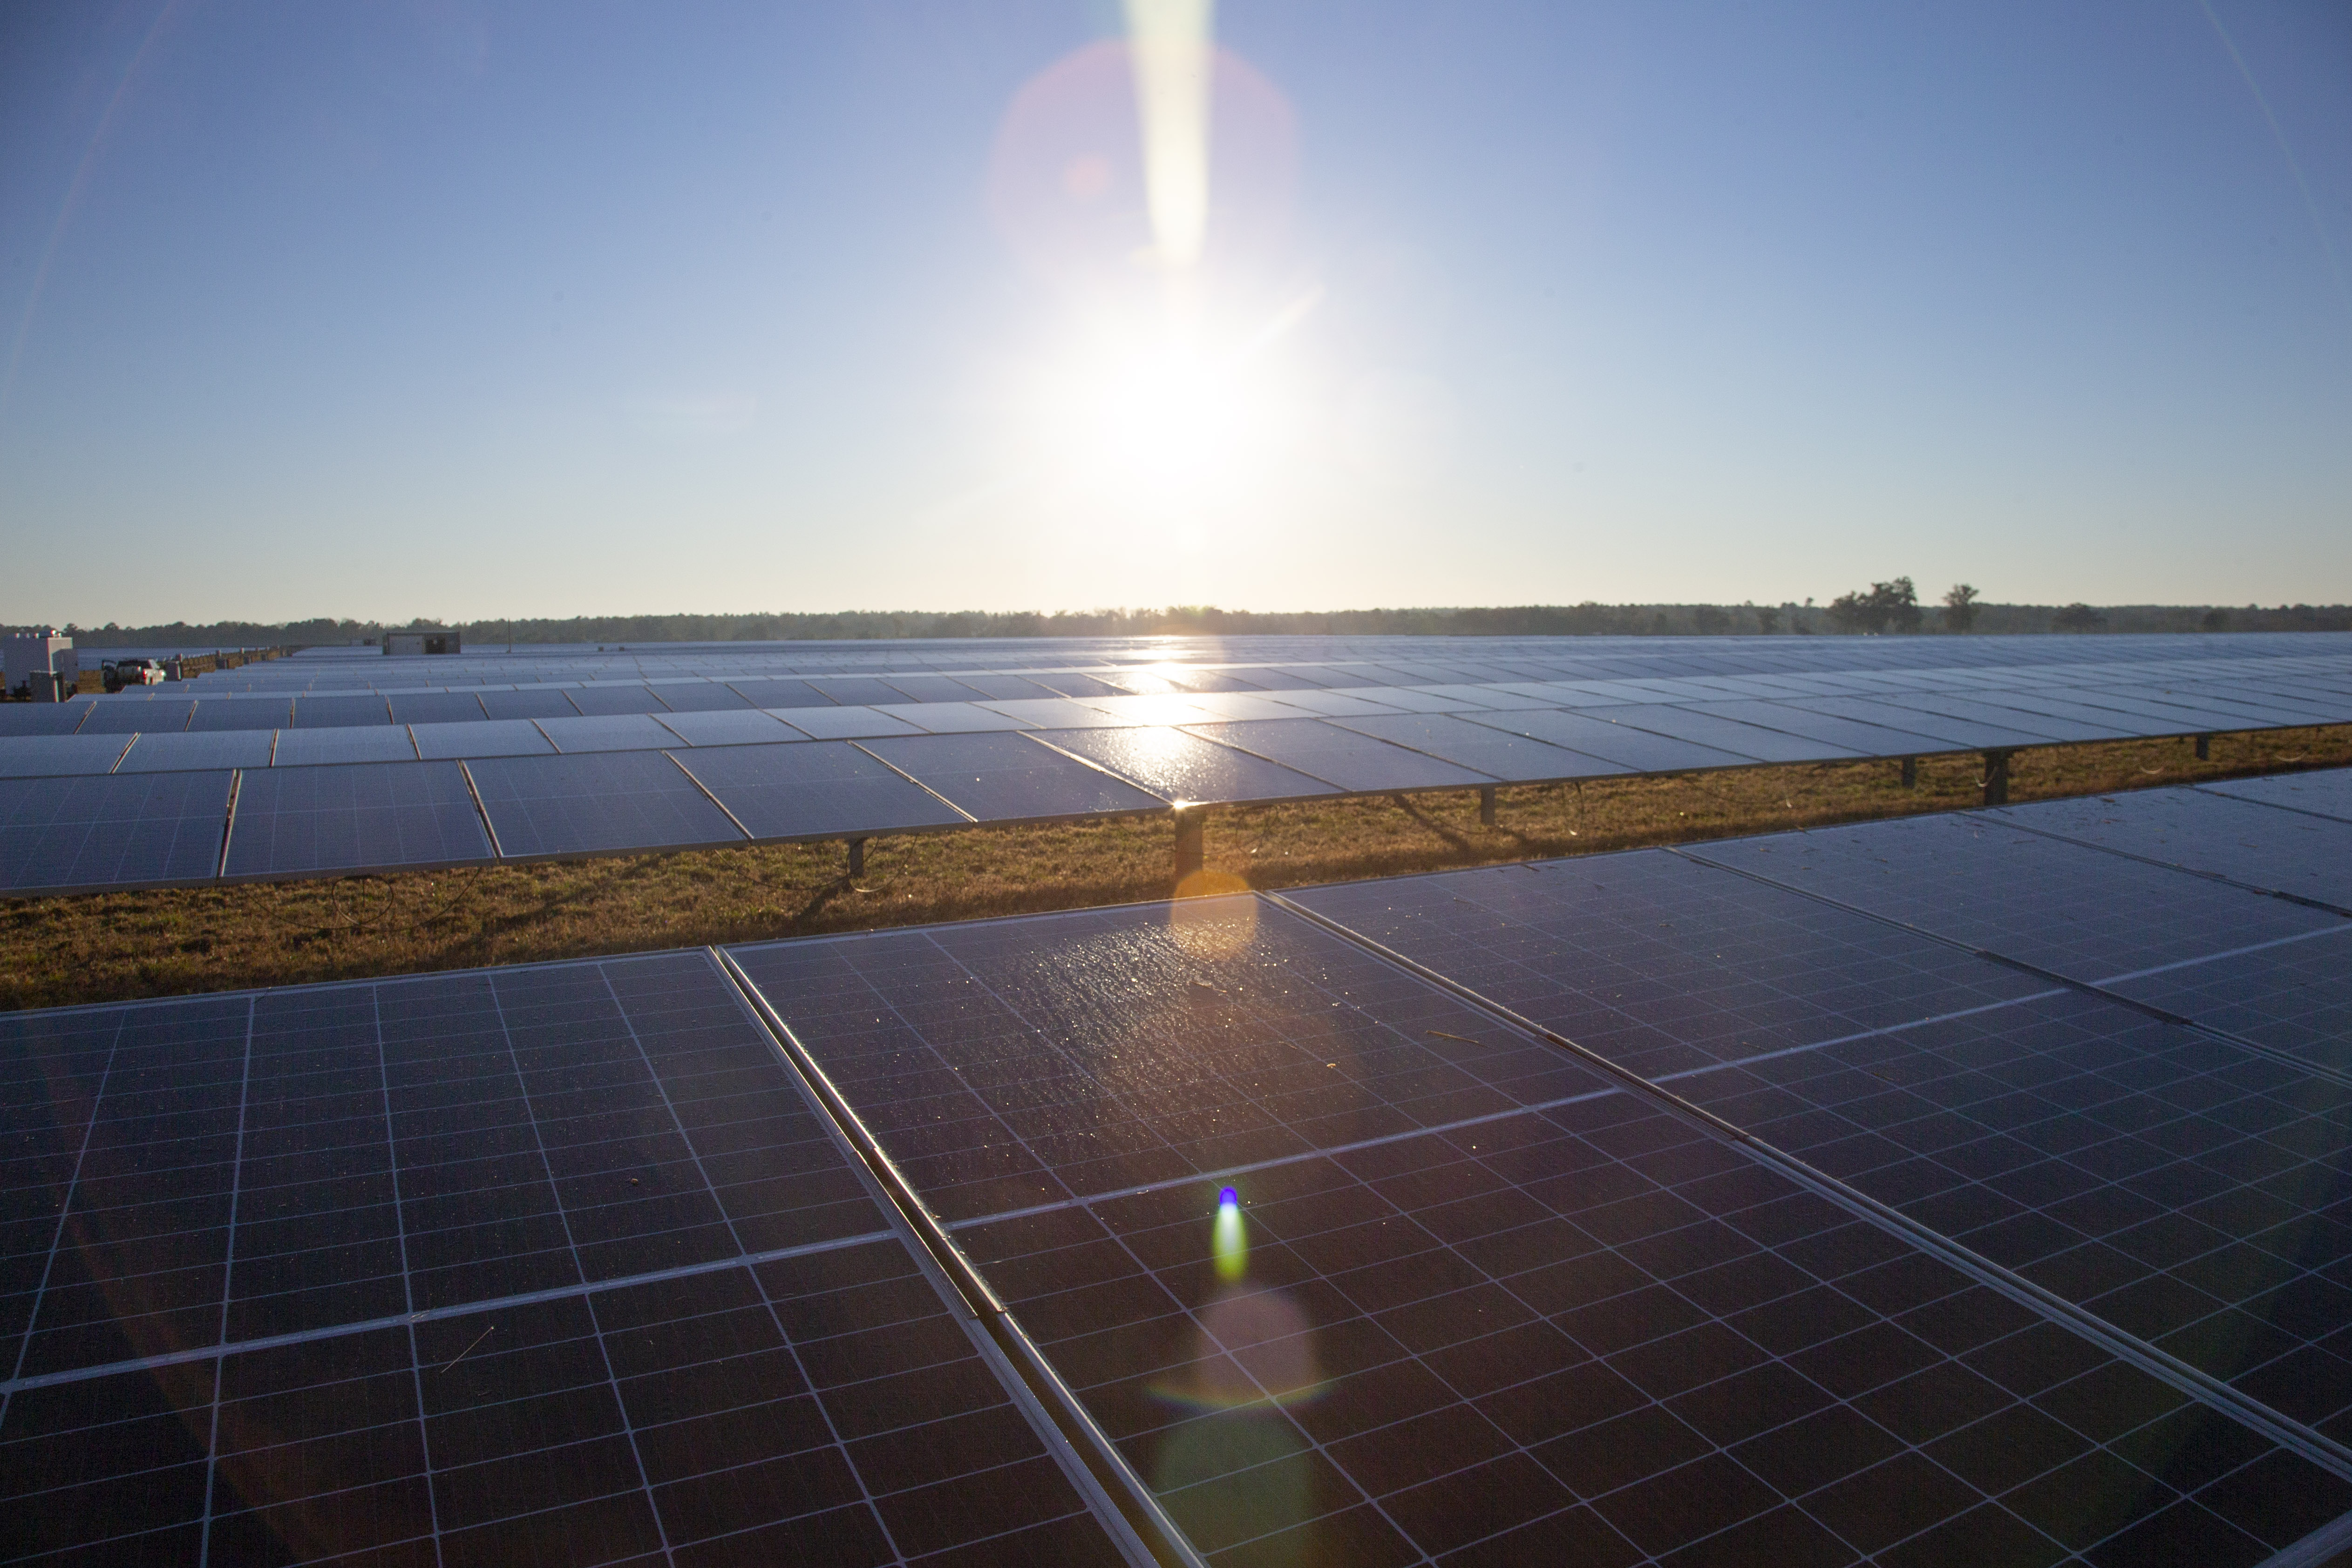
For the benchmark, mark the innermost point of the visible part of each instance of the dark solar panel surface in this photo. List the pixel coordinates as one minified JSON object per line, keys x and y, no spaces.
{"x":1596,"y":737}
{"x":1180,"y":767}
{"x":525,"y":704}
{"x":241,"y":713}
{"x":553,"y":1266}
{"x":45,"y":756}
{"x":45,"y":718}
{"x":852,"y":690}
{"x":356,"y":743}
{"x":1725,"y":734}
{"x":2070,"y":909}
{"x":1579,"y":1332}
{"x":1665,"y":966}
{"x":1495,"y":752}
{"x":484,"y":738}
{"x":600,"y":801}
{"x":1340,"y":757}
{"x":780,"y":694}
{"x":216,"y":749}
{"x":437,"y":707}
{"x":2327,"y":794}
{"x":2257,"y":845}
{"x":939,"y":689}
{"x":368,"y":816}
{"x":608,"y":732}
{"x":1870,"y":739}
{"x":331,"y":712}
{"x":814,"y":789}
{"x":699,"y":696}
{"x":1896,"y":714}
{"x":2293,"y":996}
{"x":729,"y":726}
{"x":88,"y":832}
{"x":128,"y":718}
{"x":1004,"y":778}
{"x":596,"y":701}
{"x":2173,"y":1184}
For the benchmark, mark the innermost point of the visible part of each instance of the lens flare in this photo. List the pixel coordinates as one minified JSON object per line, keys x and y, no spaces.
{"x":1169,"y":47}
{"x":1231,"y":1247}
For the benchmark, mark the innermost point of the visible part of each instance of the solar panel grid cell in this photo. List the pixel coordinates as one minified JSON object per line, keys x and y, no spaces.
{"x":596,"y":801}
{"x":313,"y":821}
{"x":795,"y":1392}
{"x":2256,"y":846}
{"x":1590,"y":1324}
{"x":111,"y":831}
{"x":2065,"y":908}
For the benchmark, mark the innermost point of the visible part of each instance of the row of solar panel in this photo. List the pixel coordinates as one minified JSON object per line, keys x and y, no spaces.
{"x":132,"y":828}
{"x":335,"y":703}
{"x":1753,"y":719}
{"x":559,"y":1263}
{"x":1485,"y":658}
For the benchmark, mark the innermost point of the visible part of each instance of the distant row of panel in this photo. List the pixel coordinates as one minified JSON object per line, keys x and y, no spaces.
{"x":1730,"y":722}
{"x":136,"y":827}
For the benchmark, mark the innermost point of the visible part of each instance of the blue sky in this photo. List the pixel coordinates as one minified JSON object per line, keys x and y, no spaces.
{"x":472,"y":310}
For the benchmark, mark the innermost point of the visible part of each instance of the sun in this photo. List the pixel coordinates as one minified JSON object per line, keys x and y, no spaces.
{"x":1161,"y":420}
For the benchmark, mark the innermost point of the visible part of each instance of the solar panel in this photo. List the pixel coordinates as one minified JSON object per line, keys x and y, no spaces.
{"x":2259,"y":846}
{"x":851,"y":722}
{"x":45,"y":719}
{"x":1957,"y":734}
{"x":1735,"y":736}
{"x":1938,"y":707}
{"x":1004,"y":688}
{"x":240,"y":713}
{"x":939,"y":689}
{"x":483,"y":738}
{"x":331,"y":712}
{"x":857,"y":691}
{"x":1339,"y":757}
{"x":1869,"y":739}
{"x":1666,"y":966}
{"x":44,"y":756}
{"x":699,"y":696}
{"x":952,"y":718}
{"x":1496,"y":753}
{"x":133,"y":716}
{"x":1008,"y":777}
{"x":358,"y":743}
{"x":1465,"y":1296}
{"x":595,"y":802}
{"x":730,"y":727}
{"x":549,"y":1265}
{"x":2293,"y":996}
{"x":1631,"y":748}
{"x":217,"y":748}
{"x":2327,"y":794}
{"x":525,"y":704}
{"x":615,"y":732}
{"x":598,"y":701}
{"x":2171,"y":1183}
{"x":813,"y":790}
{"x":780,"y":694}
{"x":437,"y":707}
{"x":1972,"y":879}
{"x":369,"y":816}
{"x":1180,"y":767}
{"x":57,"y":834}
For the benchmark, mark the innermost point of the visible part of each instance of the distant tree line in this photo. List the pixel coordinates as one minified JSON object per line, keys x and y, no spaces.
{"x":1889,"y":608}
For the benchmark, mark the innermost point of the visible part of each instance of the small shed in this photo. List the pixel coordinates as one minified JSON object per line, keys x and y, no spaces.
{"x":422,"y":642}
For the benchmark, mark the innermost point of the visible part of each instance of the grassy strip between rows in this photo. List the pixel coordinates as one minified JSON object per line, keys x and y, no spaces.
{"x":110,"y":947}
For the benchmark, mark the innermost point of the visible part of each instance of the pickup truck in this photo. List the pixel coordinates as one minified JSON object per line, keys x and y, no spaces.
{"x":118,"y":673}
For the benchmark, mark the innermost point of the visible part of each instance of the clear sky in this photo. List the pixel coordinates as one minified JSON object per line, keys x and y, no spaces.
{"x":473,"y":310}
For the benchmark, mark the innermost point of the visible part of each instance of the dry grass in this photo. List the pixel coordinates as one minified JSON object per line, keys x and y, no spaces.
{"x":109,"y":947}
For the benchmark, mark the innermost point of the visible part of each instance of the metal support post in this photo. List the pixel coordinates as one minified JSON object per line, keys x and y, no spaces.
{"x":1487,"y":805}
{"x":1190,"y":848}
{"x":1910,"y":773}
{"x":856,"y":858}
{"x":1996,"y":777}
{"x":2204,"y":747}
